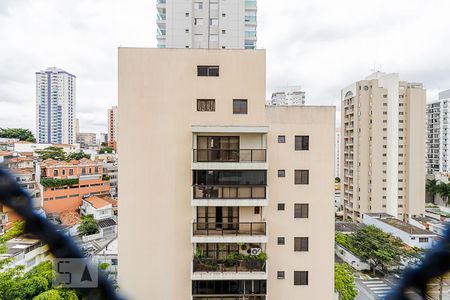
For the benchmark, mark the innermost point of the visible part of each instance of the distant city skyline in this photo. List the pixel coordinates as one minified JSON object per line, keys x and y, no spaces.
{"x":322,"y":50}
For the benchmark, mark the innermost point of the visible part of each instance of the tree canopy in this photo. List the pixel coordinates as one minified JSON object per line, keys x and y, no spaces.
{"x":57,"y":153}
{"x":17,"y":133}
{"x":105,"y":150}
{"x":88,"y":226}
{"x":378,"y":248}
{"x":344,"y":282}
{"x":35,"y":284}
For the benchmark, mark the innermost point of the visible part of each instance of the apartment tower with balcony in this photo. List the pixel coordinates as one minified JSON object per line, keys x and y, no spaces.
{"x":55,"y":107}
{"x":206,"y":24}
{"x":382,"y":147}
{"x":438,"y":134}
{"x":232,"y":199}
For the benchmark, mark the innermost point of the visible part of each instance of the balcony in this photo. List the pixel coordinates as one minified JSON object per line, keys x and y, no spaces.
{"x":233,"y":232}
{"x":216,"y":269}
{"x":229,"y":159}
{"x":228,"y":195}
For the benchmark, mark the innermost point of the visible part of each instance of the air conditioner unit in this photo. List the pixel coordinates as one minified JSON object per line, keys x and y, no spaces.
{"x":255,"y":251}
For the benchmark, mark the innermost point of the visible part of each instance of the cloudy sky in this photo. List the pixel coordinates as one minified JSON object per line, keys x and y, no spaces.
{"x":322,"y":45}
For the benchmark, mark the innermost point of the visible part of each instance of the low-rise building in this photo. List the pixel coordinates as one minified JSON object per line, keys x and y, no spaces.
{"x":99,"y":208}
{"x":25,"y":251}
{"x":111,"y":170}
{"x":86,"y":139}
{"x":430,"y":224}
{"x":19,"y":162}
{"x":411,"y":235}
{"x":23,"y":146}
{"x":66,"y":183}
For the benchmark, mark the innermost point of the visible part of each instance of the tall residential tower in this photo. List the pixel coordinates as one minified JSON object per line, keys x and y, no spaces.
{"x":206,"y":24}
{"x":438,"y":134}
{"x":55,"y":107}
{"x":230,"y":198}
{"x":382,"y":146}
{"x":112,"y":127}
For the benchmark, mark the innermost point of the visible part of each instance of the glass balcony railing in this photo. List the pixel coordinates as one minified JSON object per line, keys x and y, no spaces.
{"x":230,"y":155}
{"x":250,"y":19}
{"x":227,"y":229}
{"x":228,"y":265}
{"x":229,"y":192}
{"x":250,"y":4}
{"x":161,"y":1}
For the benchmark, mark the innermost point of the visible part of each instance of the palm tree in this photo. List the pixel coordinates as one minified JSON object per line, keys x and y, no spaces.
{"x":431,"y":187}
{"x":443,"y":189}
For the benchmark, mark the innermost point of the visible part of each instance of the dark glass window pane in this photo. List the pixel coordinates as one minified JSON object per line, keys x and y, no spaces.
{"x":281,"y":173}
{"x":239,"y":106}
{"x":301,"y":210}
{"x":300,"y":244}
{"x":300,"y":277}
{"x":281,"y":206}
{"x":206,"y":105}
{"x":301,"y":176}
{"x":281,"y":139}
{"x":301,"y":142}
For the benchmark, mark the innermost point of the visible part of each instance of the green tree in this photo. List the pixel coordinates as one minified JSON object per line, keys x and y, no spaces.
{"x":443,"y":190}
{"x":105,"y":150}
{"x":56,"y":153}
{"x":17,"y":229}
{"x":17,"y":133}
{"x":337,"y":180}
{"x":88,"y":226}
{"x":77,"y":156}
{"x":344,"y":282}
{"x":431,"y":187}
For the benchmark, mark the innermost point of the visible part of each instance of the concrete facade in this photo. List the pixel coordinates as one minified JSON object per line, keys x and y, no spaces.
{"x":170,"y":126}
{"x":383,"y":153}
{"x":206,"y":24}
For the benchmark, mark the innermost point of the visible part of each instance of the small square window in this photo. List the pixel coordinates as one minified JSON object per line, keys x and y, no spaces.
{"x":281,"y":206}
{"x":186,"y":30}
{"x":300,"y":277}
{"x":280,"y":274}
{"x":224,"y":15}
{"x":206,"y":105}
{"x":186,"y":14}
{"x":281,"y":173}
{"x":257,"y":210}
{"x":301,"y":142}
{"x":240,"y":106}
{"x":281,"y":139}
{"x":280,"y":240}
{"x":224,"y":31}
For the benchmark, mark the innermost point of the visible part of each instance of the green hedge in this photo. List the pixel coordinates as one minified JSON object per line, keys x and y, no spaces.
{"x":55,"y":182}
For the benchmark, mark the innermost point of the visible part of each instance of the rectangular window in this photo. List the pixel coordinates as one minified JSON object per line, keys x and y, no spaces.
{"x":281,"y":206}
{"x":198,"y":5}
{"x":280,"y":274}
{"x":257,"y":210}
{"x":301,"y":142}
{"x":301,"y":176}
{"x":210,"y":71}
{"x":281,"y":173}
{"x":300,"y":244}
{"x":280,"y":240}
{"x":423,"y":240}
{"x":239,"y":106}
{"x":214,"y":22}
{"x":198,"y":21}
{"x":55,"y":172}
{"x":63,"y":172}
{"x":301,"y":210}
{"x":300,"y":277}
{"x":206,"y":105}
{"x":281,"y":139}
{"x":70,"y":172}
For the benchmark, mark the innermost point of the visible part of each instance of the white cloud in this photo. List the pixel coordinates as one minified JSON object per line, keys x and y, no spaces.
{"x":322,"y":45}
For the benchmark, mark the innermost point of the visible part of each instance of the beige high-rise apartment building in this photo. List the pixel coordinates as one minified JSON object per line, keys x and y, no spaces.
{"x":213,"y":181}
{"x":112,"y":126}
{"x":383,"y":147}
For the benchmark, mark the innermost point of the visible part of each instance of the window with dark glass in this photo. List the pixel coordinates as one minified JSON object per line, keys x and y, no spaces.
{"x":210,"y":71}
{"x":239,"y":106}
{"x":55,"y":172}
{"x":281,"y":206}
{"x":301,"y":210}
{"x":70,"y":172}
{"x":280,"y":240}
{"x":229,"y":177}
{"x":281,"y":139}
{"x":280,"y":274}
{"x":301,"y":142}
{"x":301,"y":176}
{"x":281,"y":173}
{"x":301,"y":244}
{"x":257,"y":210}
{"x":300,"y":277}
{"x":206,"y":105}
{"x":217,"y":148}
{"x":229,"y":287}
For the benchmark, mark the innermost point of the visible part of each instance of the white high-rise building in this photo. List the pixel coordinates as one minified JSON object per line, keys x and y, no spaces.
{"x":289,"y":95}
{"x":55,"y":107}
{"x":206,"y":24}
{"x":437,"y":134}
{"x":338,"y":153}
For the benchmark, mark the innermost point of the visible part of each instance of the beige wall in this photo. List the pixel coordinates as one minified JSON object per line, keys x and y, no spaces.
{"x":319,"y":124}
{"x":158,"y":89}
